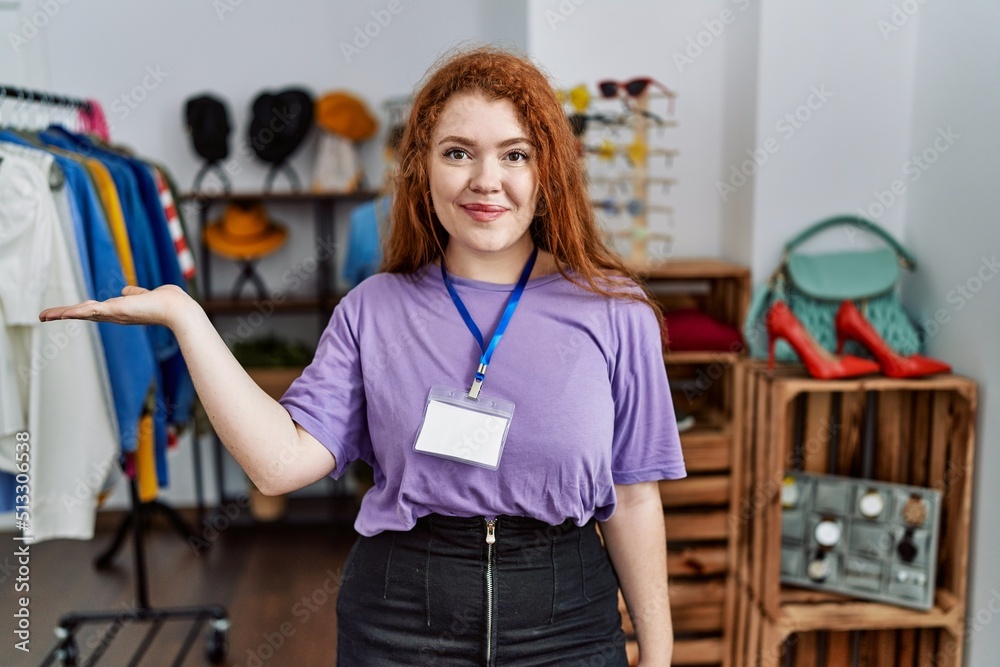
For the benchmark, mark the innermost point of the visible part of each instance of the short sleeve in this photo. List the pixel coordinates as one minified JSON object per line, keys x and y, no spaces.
{"x":328,"y":399}
{"x":646,"y":446}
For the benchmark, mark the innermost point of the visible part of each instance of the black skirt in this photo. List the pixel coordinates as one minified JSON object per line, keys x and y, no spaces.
{"x":441,"y":595}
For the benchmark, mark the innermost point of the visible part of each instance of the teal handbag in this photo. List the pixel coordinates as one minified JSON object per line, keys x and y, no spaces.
{"x":814,"y":286}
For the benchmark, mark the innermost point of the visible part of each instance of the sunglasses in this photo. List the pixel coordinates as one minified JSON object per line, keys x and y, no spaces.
{"x":626,"y":182}
{"x":634,"y":207}
{"x":634,"y":88}
{"x":579,"y":121}
{"x":635,"y":153}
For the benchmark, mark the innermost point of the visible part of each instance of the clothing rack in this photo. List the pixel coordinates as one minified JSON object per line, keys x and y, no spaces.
{"x":66,"y":650}
{"x":38,"y":97}
{"x":23,"y":96}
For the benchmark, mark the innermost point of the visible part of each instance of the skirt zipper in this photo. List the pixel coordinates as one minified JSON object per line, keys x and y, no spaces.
{"x":491,"y":538}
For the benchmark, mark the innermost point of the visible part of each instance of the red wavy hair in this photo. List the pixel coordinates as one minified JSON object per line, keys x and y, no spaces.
{"x":564,"y":222}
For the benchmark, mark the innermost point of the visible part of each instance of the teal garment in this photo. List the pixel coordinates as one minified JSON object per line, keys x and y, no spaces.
{"x":369,"y":222}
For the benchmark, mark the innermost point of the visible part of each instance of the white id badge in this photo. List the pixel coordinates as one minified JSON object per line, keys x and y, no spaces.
{"x":459,"y":428}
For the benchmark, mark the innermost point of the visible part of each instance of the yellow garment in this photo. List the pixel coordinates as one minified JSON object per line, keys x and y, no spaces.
{"x":145,"y":461}
{"x":108,"y":193}
{"x":145,"y":454}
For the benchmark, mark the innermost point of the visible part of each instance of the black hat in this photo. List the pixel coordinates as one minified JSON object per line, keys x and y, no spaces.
{"x":279,"y":123}
{"x":208,"y":124}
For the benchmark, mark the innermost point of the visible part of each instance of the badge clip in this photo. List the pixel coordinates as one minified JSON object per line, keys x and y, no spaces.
{"x":477,"y":384}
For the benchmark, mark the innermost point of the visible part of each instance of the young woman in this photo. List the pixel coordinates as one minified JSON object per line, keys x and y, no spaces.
{"x":504,"y":378}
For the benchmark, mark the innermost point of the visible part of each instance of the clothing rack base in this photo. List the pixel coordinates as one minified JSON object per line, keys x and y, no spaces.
{"x":146,"y":512}
{"x":66,"y":651}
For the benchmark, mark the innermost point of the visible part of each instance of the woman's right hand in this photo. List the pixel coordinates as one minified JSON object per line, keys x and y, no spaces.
{"x":137,"y":305}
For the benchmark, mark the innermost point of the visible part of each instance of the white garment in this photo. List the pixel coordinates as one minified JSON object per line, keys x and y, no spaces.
{"x":61,"y":194}
{"x":51,"y":367}
{"x":337,"y":167}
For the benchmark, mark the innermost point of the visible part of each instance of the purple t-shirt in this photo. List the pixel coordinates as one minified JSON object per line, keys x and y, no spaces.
{"x":585,"y":372}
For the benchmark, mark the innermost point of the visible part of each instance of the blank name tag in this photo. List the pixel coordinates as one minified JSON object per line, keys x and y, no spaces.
{"x":458,"y":428}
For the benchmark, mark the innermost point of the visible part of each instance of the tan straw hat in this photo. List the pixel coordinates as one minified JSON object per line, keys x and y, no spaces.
{"x":244,"y":232}
{"x":344,"y":114}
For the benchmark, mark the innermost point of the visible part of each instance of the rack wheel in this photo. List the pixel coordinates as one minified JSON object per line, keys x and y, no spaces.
{"x":69,"y":654}
{"x":216,"y":646}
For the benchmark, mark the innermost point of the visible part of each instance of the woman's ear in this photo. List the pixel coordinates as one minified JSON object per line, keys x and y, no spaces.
{"x":542,"y":206}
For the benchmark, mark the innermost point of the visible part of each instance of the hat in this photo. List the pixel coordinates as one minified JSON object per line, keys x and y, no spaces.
{"x":207,"y":122}
{"x":244,"y":232}
{"x":279,"y":123}
{"x":346,"y":115}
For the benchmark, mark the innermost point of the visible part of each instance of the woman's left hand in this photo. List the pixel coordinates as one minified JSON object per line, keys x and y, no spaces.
{"x":163,"y":305}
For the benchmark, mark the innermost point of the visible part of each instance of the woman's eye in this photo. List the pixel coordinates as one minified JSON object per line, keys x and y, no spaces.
{"x":517,"y":156}
{"x":456,"y":153}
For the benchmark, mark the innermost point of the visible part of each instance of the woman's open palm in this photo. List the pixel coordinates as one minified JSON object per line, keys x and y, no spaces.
{"x":137,"y":305}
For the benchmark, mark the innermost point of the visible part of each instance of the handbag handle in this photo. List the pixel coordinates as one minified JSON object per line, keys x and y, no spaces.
{"x":908,"y":260}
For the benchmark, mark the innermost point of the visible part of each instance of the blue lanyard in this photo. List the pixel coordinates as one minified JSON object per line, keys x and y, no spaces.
{"x":484,"y":361}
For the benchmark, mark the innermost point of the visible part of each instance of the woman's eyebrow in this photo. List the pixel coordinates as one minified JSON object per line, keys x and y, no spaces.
{"x":455,"y":139}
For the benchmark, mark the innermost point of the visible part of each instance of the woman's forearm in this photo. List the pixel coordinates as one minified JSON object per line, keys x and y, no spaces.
{"x":637,"y":545}
{"x":277,"y":455}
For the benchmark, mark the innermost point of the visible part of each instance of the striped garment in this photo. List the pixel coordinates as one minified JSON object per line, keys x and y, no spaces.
{"x":184,"y":256}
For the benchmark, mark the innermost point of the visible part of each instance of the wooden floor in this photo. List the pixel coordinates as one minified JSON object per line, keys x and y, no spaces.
{"x":278,"y":582}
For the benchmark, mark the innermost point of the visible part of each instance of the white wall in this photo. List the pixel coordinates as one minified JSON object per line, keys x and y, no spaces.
{"x":506,"y":23}
{"x":831,"y":158}
{"x":23,"y":61}
{"x":103,"y":49}
{"x":952,"y":226}
{"x":585,"y":42}
{"x":739,"y":129}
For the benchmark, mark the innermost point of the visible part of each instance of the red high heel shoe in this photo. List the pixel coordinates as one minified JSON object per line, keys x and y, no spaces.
{"x":851,"y":324}
{"x":782,"y":323}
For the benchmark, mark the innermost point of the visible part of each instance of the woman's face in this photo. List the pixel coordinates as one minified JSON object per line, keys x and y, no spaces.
{"x":483,"y":179}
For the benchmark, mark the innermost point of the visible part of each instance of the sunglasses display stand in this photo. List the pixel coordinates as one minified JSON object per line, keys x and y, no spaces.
{"x":644,"y":245}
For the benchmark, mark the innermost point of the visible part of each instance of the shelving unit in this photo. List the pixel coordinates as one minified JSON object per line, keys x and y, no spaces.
{"x":324,"y":209}
{"x":701,"y":555}
{"x":322,"y":301}
{"x":925,"y":437}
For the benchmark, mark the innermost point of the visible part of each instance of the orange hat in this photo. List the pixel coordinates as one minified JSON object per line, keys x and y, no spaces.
{"x":244,"y":232}
{"x":346,"y":115}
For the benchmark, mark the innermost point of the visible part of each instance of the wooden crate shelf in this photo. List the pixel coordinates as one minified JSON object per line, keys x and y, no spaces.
{"x":859,"y":615}
{"x":708,"y":451}
{"x":700,"y":357}
{"x":710,"y":651}
{"x":691,"y":268}
{"x":925,"y":434}
{"x":700,"y":490}
{"x":698,"y":509}
{"x":699,"y":561}
{"x":698,"y":526}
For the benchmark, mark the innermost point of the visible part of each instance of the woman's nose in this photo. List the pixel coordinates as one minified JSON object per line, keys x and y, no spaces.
{"x":486,"y":177}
